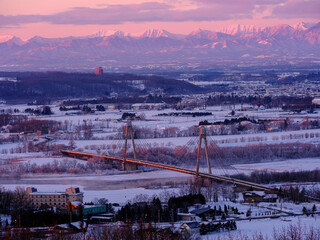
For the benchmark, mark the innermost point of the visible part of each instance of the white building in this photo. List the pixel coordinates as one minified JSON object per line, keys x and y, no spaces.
{"x":57,"y":199}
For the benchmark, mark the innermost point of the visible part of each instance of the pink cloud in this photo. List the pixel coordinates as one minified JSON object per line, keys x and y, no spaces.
{"x":240,"y":3}
{"x":144,"y":12}
{"x":202,"y":11}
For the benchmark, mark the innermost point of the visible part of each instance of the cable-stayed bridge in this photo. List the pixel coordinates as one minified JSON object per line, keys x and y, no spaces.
{"x":130,"y":164}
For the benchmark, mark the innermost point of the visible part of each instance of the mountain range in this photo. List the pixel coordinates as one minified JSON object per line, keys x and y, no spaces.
{"x":280,"y":44}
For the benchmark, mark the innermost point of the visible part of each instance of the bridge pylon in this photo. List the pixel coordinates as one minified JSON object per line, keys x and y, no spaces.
{"x":203,"y":136}
{"x":125,"y":165}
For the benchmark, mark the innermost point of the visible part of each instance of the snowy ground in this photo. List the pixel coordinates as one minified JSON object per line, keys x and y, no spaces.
{"x":121,"y":187}
{"x":106,"y":118}
{"x":305,"y":164}
{"x":120,"y":196}
{"x":125,"y":182}
{"x":265,"y":227}
{"x":307,"y":136}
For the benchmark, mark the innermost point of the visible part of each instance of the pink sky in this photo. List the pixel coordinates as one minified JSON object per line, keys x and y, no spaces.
{"x":57,"y":18}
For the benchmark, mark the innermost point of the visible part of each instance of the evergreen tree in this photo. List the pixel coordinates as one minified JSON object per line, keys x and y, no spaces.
{"x":225,"y":209}
{"x":219,"y":211}
{"x":304,"y":210}
{"x":248,"y":214}
{"x":236,"y":211}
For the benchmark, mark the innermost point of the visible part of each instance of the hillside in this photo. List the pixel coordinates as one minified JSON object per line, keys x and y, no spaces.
{"x":36,"y":85}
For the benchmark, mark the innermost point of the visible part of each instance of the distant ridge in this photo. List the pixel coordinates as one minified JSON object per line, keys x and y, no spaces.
{"x":155,"y":47}
{"x":240,"y":29}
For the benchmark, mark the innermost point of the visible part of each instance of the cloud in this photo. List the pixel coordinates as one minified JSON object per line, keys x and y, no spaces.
{"x":17,"y":20}
{"x":143,"y":12}
{"x":240,"y":3}
{"x":298,"y":9}
{"x":167,"y":11}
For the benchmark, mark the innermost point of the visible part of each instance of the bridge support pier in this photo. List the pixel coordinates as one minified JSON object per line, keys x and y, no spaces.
{"x":125,"y":165}
{"x":203,"y":135}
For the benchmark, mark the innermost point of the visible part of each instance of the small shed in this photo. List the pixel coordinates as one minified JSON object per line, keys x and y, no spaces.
{"x":189,"y":229}
{"x":203,"y":212}
{"x":94,"y":209}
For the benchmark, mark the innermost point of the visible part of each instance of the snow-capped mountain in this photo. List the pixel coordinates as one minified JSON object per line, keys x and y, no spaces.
{"x":303,"y":26}
{"x":237,"y":29}
{"x":102,"y":33}
{"x":5,"y":38}
{"x":202,"y":34}
{"x":156,"y":46}
{"x":156,"y":33}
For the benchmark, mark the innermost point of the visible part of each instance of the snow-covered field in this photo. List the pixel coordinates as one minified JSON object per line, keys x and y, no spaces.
{"x":120,"y":196}
{"x":266,"y":227}
{"x":123,"y":187}
{"x":305,"y":164}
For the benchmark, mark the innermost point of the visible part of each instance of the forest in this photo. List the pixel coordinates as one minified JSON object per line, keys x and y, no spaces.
{"x":53,"y":85}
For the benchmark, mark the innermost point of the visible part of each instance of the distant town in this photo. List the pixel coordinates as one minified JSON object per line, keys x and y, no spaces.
{"x":164,"y":156}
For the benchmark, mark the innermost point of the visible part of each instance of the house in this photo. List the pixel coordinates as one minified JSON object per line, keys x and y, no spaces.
{"x":316,"y":101}
{"x":259,"y":196}
{"x":253,"y":196}
{"x":98,"y":71}
{"x":94,"y":209}
{"x":45,"y":131}
{"x":203,"y":212}
{"x":189,"y":229}
{"x":77,"y":207}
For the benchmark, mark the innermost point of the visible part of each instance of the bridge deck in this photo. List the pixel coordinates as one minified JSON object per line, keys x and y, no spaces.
{"x":238,"y":182}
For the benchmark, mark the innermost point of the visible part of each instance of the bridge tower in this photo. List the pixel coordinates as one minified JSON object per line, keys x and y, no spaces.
{"x":125,"y":165}
{"x":203,"y":136}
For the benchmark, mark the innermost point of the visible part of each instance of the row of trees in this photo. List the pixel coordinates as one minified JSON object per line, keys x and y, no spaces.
{"x":222,"y":156}
{"x":13,"y":202}
{"x":228,"y":128}
{"x":6,"y":119}
{"x":155,"y":212}
{"x":267,"y":101}
{"x":225,"y":156}
{"x":44,"y":110}
{"x":60,"y":167}
{"x":295,"y":193}
{"x":212,"y":227}
{"x":265,"y":177}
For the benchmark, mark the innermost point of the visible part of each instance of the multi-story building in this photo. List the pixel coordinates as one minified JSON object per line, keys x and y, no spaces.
{"x":57,"y":199}
{"x":98,"y":71}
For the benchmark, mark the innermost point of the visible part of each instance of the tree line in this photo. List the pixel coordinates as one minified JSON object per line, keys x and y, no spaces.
{"x":264,"y":177}
{"x":222,"y":156}
{"x":155,"y":211}
{"x":217,"y":227}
